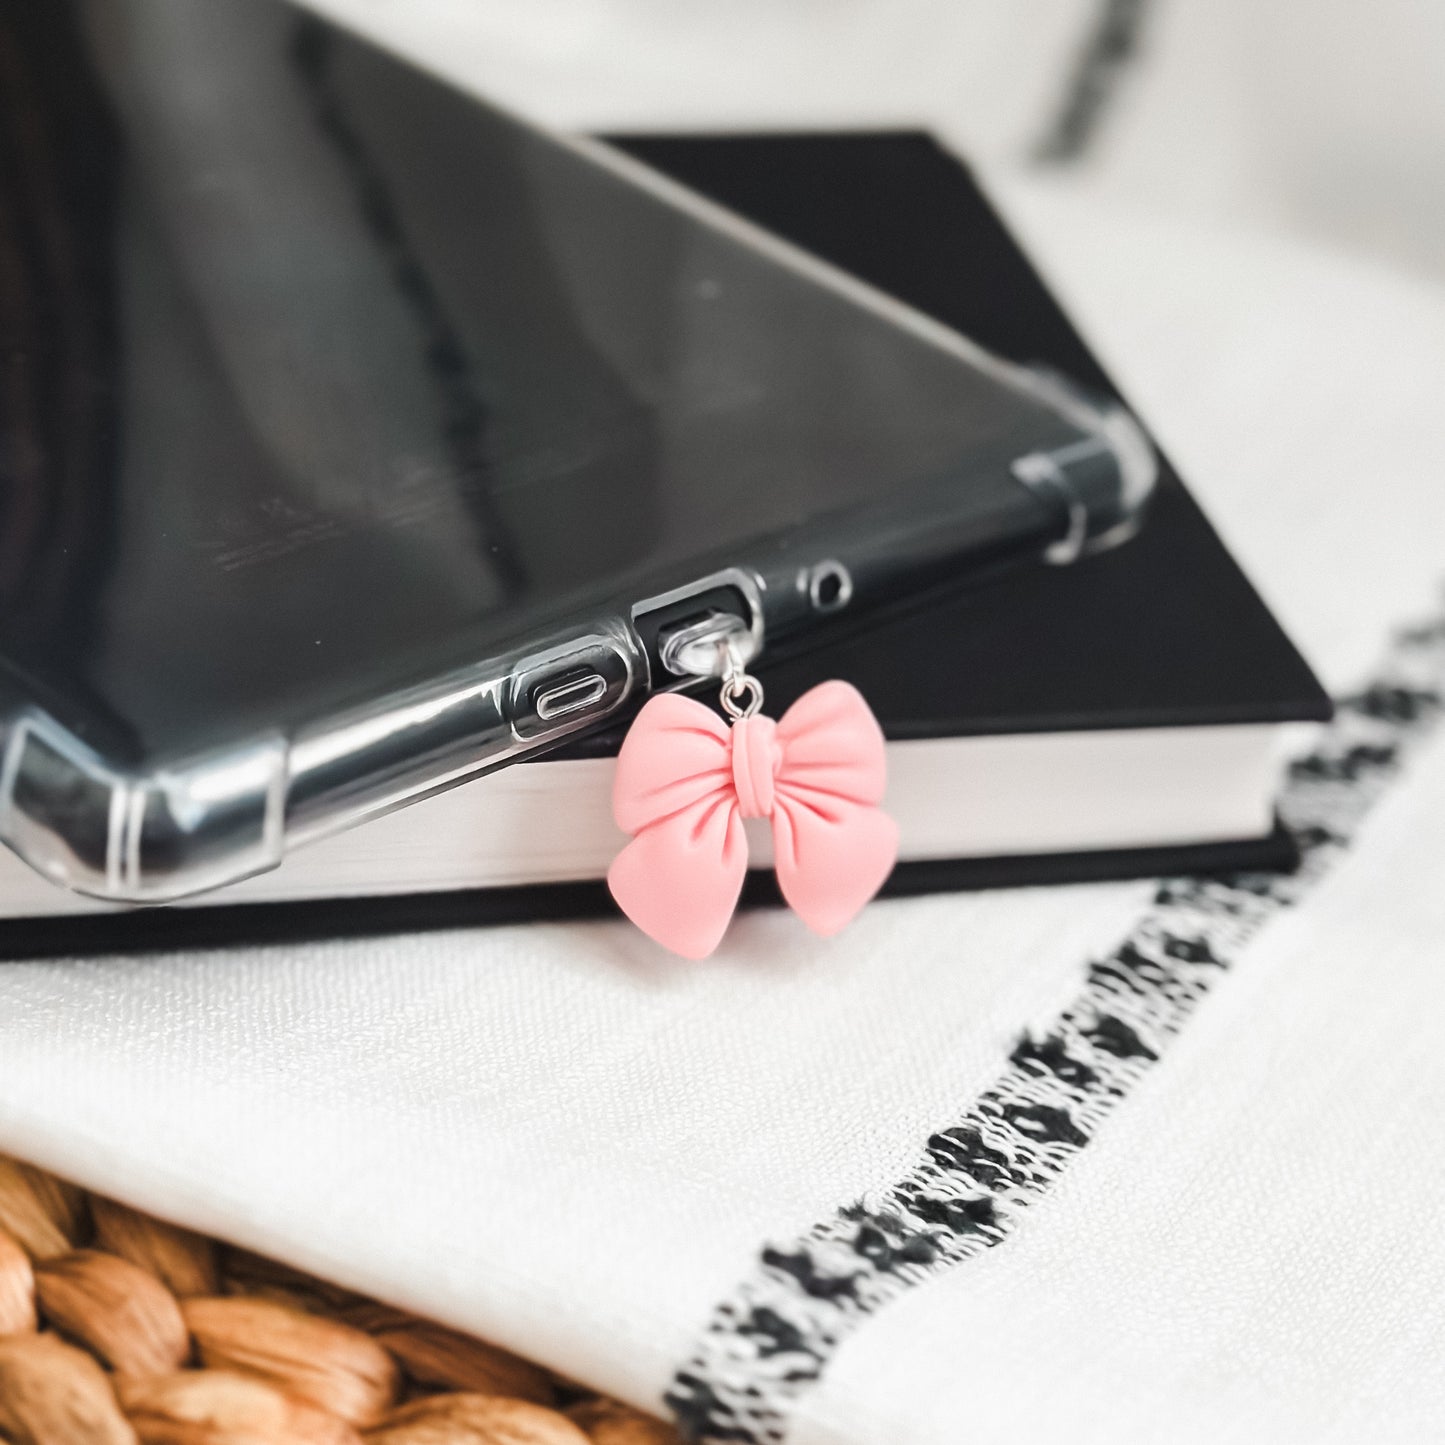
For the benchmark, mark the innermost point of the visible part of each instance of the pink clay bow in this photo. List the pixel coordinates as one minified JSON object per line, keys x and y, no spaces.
{"x":686,"y":780}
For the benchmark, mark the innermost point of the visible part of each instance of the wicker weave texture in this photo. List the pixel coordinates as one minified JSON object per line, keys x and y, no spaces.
{"x":120,"y":1329}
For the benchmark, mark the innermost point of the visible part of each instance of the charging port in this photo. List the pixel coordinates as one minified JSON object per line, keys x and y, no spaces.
{"x":680,"y":629}
{"x":699,"y":648}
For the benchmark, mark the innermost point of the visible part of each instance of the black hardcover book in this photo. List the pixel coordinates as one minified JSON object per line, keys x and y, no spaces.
{"x":1116,"y":718}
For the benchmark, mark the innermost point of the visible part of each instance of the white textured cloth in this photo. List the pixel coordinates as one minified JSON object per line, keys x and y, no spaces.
{"x":1247,"y":1252}
{"x":563,"y":1140}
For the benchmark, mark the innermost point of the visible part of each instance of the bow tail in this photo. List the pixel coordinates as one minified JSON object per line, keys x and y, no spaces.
{"x":680,"y":877}
{"x":832,"y":855}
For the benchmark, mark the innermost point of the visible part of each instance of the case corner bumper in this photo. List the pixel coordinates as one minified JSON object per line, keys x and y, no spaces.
{"x":94,"y":829}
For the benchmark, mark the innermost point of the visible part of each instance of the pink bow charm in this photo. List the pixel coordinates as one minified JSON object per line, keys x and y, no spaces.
{"x":686,"y":780}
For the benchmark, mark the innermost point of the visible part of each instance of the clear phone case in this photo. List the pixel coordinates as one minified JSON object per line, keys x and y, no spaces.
{"x":378,"y":438}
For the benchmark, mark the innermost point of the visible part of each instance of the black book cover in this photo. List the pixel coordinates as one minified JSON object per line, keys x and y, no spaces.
{"x":1165,"y":631}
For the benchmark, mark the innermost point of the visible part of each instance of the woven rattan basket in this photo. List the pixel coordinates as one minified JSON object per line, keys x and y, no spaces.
{"x":116,"y":1328}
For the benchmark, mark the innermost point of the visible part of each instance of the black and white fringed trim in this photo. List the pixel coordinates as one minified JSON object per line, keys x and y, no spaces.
{"x":772,"y":1339}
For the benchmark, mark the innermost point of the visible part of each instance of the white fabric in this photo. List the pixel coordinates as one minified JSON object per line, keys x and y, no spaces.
{"x":1247,"y":1252}
{"x":1318,"y":117}
{"x":558,"y":1138}
{"x":555,"y":1136}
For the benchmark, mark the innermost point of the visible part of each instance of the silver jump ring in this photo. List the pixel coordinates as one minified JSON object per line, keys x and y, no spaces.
{"x":742,"y":696}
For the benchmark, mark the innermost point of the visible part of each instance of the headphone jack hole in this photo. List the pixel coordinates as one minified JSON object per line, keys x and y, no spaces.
{"x":830,"y":588}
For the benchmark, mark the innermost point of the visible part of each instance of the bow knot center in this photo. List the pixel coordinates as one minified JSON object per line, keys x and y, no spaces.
{"x":756,"y":757}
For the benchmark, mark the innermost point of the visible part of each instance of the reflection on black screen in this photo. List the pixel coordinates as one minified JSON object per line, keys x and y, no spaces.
{"x":357,"y":379}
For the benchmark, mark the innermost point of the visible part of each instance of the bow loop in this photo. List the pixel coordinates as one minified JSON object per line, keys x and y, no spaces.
{"x":676,"y":753}
{"x":833,"y":847}
{"x":832,"y":745}
{"x":679,"y":878}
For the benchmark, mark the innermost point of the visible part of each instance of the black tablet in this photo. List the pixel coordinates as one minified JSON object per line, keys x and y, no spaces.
{"x":356,"y":437}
